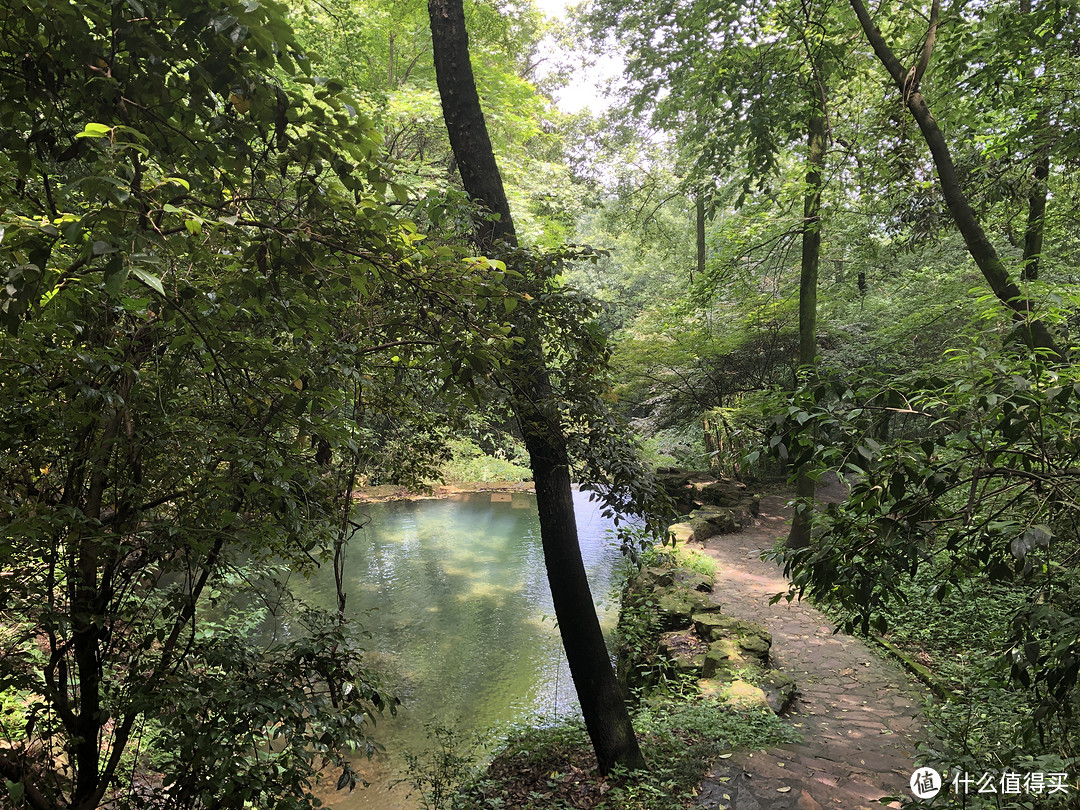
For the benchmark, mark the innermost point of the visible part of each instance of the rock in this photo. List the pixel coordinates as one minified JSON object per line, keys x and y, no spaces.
{"x":721,"y":519}
{"x":742,"y":695}
{"x":677,"y":605}
{"x":713,"y":626}
{"x":693,"y":580}
{"x":683,"y":532}
{"x":757,"y":645}
{"x":685,"y":652}
{"x":720,"y":492}
{"x":779,"y":690}
{"x":709,"y":521}
{"x":652,"y":577}
{"x":701,"y":529}
{"x":690,"y":489}
{"x":719,"y":661}
{"x":744,"y":641}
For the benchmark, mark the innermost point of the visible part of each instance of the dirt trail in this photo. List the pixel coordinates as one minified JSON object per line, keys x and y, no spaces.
{"x":857,"y":713}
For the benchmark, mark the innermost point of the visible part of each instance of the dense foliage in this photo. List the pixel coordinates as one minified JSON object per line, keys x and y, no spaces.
{"x":229,"y":300}
{"x":215,"y":322}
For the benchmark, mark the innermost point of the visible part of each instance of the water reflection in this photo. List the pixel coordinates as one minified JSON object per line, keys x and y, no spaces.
{"x":455,"y":595}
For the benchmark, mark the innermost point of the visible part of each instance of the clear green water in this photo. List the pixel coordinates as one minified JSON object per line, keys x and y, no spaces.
{"x":461,"y":618}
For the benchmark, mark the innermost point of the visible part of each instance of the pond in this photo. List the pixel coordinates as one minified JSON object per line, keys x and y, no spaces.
{"x":454,"y":593}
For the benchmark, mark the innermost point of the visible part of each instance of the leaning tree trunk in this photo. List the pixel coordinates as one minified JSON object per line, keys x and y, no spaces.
{"x":602,"y":704}
{"x":799,"y":536}
{"x":1032,"y":330}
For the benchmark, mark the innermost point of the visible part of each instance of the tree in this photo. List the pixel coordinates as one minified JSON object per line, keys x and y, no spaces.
{"x":381,"y":49}
{"x":602,"y":702}
{"x":207,"y":298}
{"x":1032,"y":330}
{"x":732,"y":64}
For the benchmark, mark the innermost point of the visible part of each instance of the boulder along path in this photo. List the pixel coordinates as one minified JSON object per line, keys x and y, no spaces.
{"x":858,"y":714}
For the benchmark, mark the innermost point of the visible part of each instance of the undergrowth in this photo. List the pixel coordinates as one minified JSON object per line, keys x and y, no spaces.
{"x":984,"y":724}
{"x":553,"y":767}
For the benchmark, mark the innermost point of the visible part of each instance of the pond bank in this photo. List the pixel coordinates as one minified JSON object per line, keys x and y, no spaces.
{"x":394,"y":492}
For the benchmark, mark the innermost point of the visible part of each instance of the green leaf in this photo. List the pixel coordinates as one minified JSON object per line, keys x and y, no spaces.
{"x":149,"y":279}
{"x":15,"y":790}
{"x":94,"y":131}
{"x":115,"y":275}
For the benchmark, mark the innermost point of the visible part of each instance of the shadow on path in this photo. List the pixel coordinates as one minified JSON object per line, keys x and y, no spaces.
{"x":858,"y":714}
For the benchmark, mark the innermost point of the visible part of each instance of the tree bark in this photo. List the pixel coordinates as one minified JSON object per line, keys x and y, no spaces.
{"x":699,"y":210}
{"x":1033,"y":233}
{"x":1032,"y":330}
{"x":602,"y":705}
{"x":799,"y":536}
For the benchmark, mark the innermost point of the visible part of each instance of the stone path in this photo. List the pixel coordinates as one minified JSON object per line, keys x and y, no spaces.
{"x":857,"y":713}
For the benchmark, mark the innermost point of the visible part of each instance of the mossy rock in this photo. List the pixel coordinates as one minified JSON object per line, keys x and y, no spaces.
{"x":684,"y":651}
{"x":742,"y":695}
{"x":714,"y":520}
{"x":677,"y":605}
{"x":693,"y":580}
{"x":713,"y":524}
{"x":780,"y":690}
{"x":702,"y":529}
{"x":712,"y":626}
{"x":652,"y":577}
{"x":758,"y":646}
{"x":683,"y":533}
{"x":720,"y":492}
{"x":719,"y":661}
{"x":689,"y":655}
{"x":752,"y":639}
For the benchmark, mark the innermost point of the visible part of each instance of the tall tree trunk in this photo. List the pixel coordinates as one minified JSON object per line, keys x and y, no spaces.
{"x":1032,"y":330}
{"x":699,"y":210}
{"x":602,"y":704}
{"x":1033,"y":233}
{"x":799,"y":536}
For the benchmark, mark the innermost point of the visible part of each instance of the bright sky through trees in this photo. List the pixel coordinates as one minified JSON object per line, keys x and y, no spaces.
{"x":585,"y":87}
